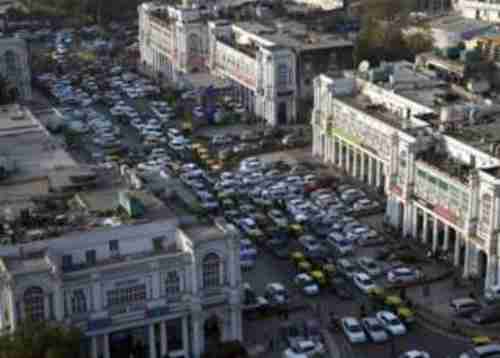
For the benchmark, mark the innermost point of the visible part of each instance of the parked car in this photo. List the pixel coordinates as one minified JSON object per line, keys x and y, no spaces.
{"x":465,"y":307}
{"x":489,"y":350}
{"x":353,"y":330}
{"x":391,"y":323}
{"x":492,"y":293}
{"x":276,"y":293}
{"x":346,"y":267}
{"x":486,"y":315}
{"x":306,"y":284}
{"x":303,"y":349}
{"x":415,"y":354}
{"x":403,"y":275}
{"x":370,"y":266}
{"x":364,"y":282}
{"x":374,"y":330}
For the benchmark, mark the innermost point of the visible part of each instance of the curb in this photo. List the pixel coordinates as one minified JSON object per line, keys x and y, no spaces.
{"x":434,"y":328}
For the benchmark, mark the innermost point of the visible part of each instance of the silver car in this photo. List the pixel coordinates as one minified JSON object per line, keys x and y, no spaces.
{"x":374,"y":329}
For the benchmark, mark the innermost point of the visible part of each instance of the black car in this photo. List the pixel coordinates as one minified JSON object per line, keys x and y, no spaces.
{"x":340,"y":288}
{"x":486,"y":316}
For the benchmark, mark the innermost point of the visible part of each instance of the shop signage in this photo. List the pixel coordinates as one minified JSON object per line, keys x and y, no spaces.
{"x":445,"y":213}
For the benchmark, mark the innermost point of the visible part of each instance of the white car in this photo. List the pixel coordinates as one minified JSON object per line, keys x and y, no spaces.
{"x":278,"y":218}
{"x":415,"y":354}
{"x":374,"y":329}
{"x":306,"y":283}
{"x":391,"y":323}
{"x":364,"y":282}
{"x":403,"y":275}
{"x":492,"y":293}
{"x":370,"y":266}
{"x":353,"y":330}
{"x":303,"y":349}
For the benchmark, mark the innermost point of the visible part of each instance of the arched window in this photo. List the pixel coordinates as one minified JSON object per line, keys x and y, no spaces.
{"x":78,"y":302}
{"x":211,"y":271}
{"x":34,"y":309}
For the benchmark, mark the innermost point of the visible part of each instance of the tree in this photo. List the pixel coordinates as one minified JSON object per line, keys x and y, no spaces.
{"x":382,"y":35}
{"x":41,"y":340}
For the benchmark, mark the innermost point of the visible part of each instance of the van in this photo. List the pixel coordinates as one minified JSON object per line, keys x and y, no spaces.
{"x":464,"y":307}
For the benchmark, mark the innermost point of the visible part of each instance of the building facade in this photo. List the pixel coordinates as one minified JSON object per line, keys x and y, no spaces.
{"x":172,"y":40}
{"x":403,"y":138}
{"x":143,"y":290}
{"x":488,"y":10}
{"x":14,"y":65}
{"x":270,"y":70}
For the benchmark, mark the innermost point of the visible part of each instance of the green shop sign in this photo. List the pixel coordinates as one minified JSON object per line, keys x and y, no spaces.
{"x":342,"y":134}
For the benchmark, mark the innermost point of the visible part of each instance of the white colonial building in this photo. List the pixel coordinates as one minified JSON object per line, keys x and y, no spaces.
{"x":429,"y":147}
{"x":144,"y":290}
{"x":487,"y":10}
{"x":268,"y":66}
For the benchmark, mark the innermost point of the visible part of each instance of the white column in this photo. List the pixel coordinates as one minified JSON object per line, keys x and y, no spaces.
{"x":491,"y":271}
{"x":106,"y":345}
{"x":434,"y":235}
{"x":425,"y":227}
{"x":456,"y":255}
{"x":355,"y":163}
{"x":152,"y":341}
{"x":348,"y":159}
{"x":362,"y":158}
{"x":93,"y":347}
{"x":370,"y":170}
{"x":96,"y":295}
{"x":58,"y":303}
{"x":334,"y":150}
{"x":446,"y":243}
{"x":13,"y":313}
{"x":414,"y":222}
{"x":378,"y":174}
{"x":163,"y":339}
{"x":467,"y":258}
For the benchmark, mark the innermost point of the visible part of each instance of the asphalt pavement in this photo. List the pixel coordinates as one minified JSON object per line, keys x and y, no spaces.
{"x":269,"y":269}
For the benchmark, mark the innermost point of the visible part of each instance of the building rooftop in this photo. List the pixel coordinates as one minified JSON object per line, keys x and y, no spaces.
{"x":202,"y":232}
{"x":456,"y":23}
{"x":292,"y":34}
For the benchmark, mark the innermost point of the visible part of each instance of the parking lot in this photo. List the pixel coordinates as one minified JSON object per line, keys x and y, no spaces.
{"x":303,"y":225}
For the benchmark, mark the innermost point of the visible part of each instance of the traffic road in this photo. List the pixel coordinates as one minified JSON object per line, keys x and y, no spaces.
{"x":271,"y":269}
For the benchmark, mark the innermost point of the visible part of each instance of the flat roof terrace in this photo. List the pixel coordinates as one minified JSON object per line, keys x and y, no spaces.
{"x":362,"y":102}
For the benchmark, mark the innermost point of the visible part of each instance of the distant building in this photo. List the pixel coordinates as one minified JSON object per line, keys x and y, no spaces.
{"x":488,"y":10}
{"x":270,"y":66}
{"x":157,"y":289}
{"x":430,"y":146}
{"x":14,"y":65}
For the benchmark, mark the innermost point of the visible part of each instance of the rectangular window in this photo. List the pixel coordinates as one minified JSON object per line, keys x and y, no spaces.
{"x":90,"y":257}
{"x":158,"y":244}
{"x":282,"y":75}
{"x":67,"y":262}
{"x":114,"y":247}
{"x":126,"y":295}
